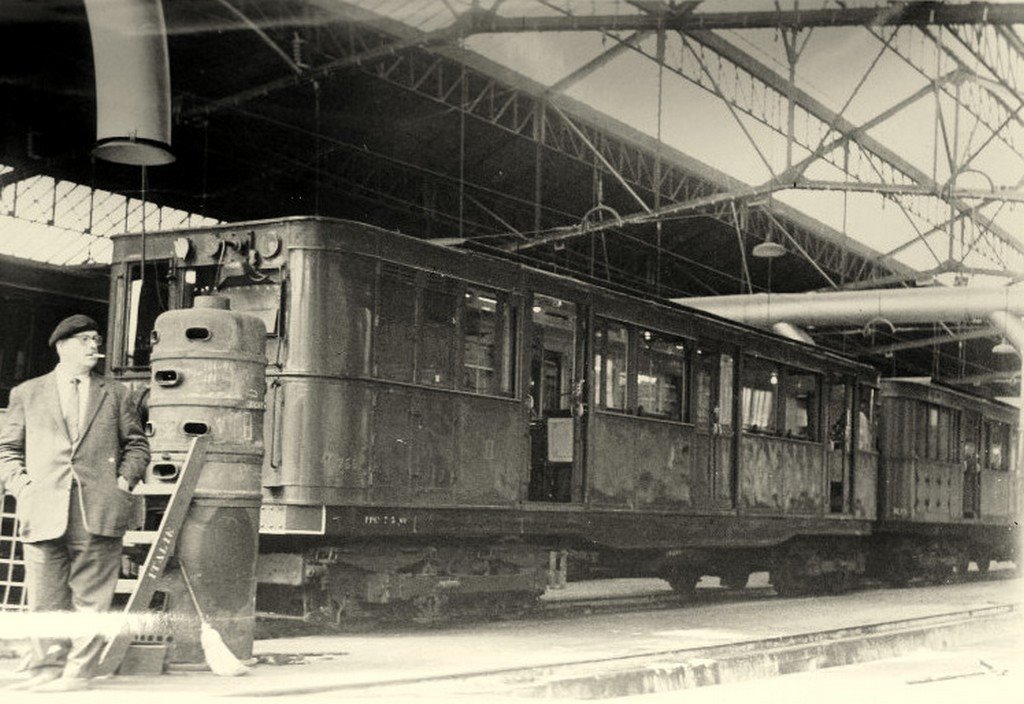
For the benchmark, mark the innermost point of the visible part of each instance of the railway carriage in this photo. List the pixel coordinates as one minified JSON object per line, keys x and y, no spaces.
{"x":445,"y":423}
{"x":950,"y":484}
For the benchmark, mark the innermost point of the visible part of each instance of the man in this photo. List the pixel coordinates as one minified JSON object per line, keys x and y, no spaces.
{"x":71,"y":449}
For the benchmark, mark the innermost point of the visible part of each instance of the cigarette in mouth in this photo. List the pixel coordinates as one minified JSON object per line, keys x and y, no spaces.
{"x":99,"y":356}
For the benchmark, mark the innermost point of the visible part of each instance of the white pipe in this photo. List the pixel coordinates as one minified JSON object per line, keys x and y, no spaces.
{"x":133,"y":81}
{"x":860,"y":307}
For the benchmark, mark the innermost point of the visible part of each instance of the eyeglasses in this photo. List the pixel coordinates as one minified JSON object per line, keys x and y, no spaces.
{"x":87,"y":338}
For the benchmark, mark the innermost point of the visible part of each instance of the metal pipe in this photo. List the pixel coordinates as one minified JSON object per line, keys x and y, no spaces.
{"x":859,"y":307}
{"x":133,"y":81}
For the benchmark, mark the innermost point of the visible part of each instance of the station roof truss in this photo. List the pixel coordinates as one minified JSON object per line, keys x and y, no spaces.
{"x":646,"y":145}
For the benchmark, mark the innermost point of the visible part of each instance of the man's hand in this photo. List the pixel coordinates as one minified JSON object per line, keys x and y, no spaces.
{"x":123,"y":484}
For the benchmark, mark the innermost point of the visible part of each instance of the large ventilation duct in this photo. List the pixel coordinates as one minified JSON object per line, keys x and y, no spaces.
{"x":861,"y":307}
{"x":133,"y":81}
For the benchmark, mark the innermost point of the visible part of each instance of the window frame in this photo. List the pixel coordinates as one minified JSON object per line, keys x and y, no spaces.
{"x":508,"y":329}
{"x":683,"y":390}
{"x":603,"y":325}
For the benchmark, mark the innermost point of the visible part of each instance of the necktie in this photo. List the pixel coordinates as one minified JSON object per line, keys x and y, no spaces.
{"x":72,"y":417}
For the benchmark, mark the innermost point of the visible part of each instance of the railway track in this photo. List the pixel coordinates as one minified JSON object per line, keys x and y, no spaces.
{"x":683,"y":667}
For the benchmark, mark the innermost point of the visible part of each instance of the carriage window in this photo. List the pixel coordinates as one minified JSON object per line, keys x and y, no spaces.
{"x":866,"y":419}
{"x":759,"y":381}
{"x":396,"y":318}
{"x":611,"y":348}
{"x":997,"y":438}
{"x":725,"y":376}
{"x":488,"y":334}
{"x":932,"y":432}
{"x":436,"y":328}
{"x":802,"y":394}
{"x":941,"y":431}
{"x":839,"y":419}
{"x":147,"y":297}
{"x":661,"y":376}
{"x":552,"y":355}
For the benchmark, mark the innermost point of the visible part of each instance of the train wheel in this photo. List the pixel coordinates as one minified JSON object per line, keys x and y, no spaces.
{"x":735,"y":578}
{"x":897,"y":574}
{"x":429,"y":610}
{"x":683,"y":582}
{"x":842,"y":581}
{"x":789,"y":580}
{"x":509,"y":606}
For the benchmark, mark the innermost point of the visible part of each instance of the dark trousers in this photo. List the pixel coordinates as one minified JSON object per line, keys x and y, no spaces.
{"x":76,"y":572}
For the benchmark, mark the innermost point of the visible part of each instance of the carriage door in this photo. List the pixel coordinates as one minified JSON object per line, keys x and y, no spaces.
{"x":970,"y":456}
{"x":715,"y":427}
{"x":556,"y":401}
{"x":840,"y":445}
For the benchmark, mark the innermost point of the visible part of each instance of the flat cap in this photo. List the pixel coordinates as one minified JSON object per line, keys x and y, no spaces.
{"x":72,"y":325}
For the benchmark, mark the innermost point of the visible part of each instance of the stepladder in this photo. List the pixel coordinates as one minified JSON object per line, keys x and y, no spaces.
{"x":143,"y":580}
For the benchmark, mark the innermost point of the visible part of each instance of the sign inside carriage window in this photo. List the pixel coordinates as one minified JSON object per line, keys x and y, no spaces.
{"x":560,"y":439}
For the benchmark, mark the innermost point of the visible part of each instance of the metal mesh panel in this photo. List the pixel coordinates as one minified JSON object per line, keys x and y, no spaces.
{"x":12,"y":562}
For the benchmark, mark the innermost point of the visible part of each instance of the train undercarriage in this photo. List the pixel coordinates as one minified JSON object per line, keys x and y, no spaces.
{"x":434,"y":583}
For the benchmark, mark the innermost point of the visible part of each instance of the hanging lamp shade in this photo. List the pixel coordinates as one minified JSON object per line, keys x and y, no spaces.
{"x":1004,"y":347}
{"x":133,"y":81}
{"x":768,"y":250}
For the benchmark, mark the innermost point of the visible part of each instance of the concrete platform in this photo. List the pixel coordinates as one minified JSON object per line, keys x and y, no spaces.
{"x":481,"y":662}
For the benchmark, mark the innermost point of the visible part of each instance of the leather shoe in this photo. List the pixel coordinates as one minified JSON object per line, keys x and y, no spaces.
{"x":63,"y":684}
{"x":43,"y":676}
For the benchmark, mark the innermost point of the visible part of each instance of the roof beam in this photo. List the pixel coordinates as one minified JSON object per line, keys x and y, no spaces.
{"x":896,"y":14}
{"x":598,"y":61}
{"x":882,"y":350}
{"x":911,"y":189}
{"x":244,"y":19}
{"x":822,"y":112}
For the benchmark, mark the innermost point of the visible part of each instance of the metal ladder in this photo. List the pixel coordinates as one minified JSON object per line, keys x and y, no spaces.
{"x":162,"y":543}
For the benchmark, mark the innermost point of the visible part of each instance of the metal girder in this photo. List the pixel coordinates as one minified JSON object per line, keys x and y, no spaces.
{"x":516,"y":111}
{"x":843,"y":264}
{"x":699,"y":76}
{"x":830,"y":120}
{"x":882,"y":350}
{"x":598,"y":61}
{"x":897,"y":13}
{"x":508,"y":101}
{"x":997,"y":54}
{"x":666,"y":212}
{"x":793,"y":172}
{"x":1007,"y":377}
{"x":258,"y":31}
{"x":986,"y":105}
{"x":1015,"y":196}
{"x":325,"y":70}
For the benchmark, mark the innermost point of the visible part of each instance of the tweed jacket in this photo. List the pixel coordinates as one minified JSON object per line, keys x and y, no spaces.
{"x":38,"y":459}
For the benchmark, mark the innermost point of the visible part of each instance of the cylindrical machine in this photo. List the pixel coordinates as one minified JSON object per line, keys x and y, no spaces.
{"x":208,"y":378}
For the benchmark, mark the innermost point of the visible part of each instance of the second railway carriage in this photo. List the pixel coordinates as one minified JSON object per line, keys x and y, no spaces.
{"x":443,"y":423}
{"x":950,"y":490}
